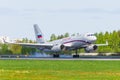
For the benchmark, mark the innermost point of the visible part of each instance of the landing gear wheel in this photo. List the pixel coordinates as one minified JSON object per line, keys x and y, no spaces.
{"x":75,"y":56}
{"x":76,"y":52}
{"x":56,"y":55}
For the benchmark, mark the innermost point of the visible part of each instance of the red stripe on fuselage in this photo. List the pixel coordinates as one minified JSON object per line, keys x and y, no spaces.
{"x":77,"y":41}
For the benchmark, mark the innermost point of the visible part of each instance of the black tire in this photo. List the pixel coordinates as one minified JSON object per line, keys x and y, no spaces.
{"x":75,"y":56}
{"x":56,"y":55}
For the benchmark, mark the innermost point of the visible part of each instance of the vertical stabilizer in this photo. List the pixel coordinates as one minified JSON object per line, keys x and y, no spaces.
{"x":38,"y":34}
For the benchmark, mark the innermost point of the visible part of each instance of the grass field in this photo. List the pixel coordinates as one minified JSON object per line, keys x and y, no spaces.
{"x":59,"y":70}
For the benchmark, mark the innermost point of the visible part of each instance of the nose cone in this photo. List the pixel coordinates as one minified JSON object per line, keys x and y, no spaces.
{"x":94,"y":38}
{"x":91,"y":37}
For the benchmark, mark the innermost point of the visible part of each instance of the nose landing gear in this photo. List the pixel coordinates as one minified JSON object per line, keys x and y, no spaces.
{"x":76,"y":54}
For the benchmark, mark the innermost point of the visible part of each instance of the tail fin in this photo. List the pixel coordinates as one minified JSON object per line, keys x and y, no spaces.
{"x":38,"y":34}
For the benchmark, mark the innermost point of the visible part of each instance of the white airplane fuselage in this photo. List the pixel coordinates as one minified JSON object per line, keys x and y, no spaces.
{"x":75,"y":42}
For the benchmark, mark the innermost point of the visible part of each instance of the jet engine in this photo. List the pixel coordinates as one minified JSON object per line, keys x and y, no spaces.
{"x":90,"y":48}
{"x":58,"y":48}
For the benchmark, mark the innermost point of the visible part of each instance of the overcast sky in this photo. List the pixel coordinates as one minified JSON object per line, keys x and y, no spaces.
{"x":58,"y":16}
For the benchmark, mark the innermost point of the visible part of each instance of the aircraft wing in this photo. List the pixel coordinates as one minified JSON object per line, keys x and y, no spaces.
{"x":106,"y":44}
{"x":33,"y":45}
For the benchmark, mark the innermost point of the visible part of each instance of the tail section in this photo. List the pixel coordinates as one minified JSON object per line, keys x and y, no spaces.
{"x":38,"y":34}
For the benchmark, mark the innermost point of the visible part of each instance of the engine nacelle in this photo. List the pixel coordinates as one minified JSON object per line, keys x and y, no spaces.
{"x":90,"y":48}
{"x":58,"y":48}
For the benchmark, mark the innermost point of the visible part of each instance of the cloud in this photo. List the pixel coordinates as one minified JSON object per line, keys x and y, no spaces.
{"x":32,"y":11}
{"x":8,"y":11}
{"x":84,"y":10}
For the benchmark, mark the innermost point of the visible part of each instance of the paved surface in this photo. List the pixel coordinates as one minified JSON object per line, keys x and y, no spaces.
{"x":60,"y":58}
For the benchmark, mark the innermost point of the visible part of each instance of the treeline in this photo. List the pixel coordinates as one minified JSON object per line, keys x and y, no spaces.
{"x":54,"y":37}
{"x":17,"y":49}
{"x":113,"y":39}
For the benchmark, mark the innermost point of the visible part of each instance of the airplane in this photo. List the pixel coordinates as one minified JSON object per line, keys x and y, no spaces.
{"x":85,"y":41}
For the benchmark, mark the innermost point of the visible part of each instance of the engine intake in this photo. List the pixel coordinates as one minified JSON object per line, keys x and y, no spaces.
{"x":58,"y":48}
{"x":90,"y":48}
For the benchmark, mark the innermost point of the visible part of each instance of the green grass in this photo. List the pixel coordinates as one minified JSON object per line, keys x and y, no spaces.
{"x":59,"y":70}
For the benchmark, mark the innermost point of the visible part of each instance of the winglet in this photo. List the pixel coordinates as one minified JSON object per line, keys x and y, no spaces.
{"x":106,"y":42}
{"x":4,"y":41}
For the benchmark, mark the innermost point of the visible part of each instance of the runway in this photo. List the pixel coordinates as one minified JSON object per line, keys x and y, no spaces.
{"x":104,"y":59}
{"x":62,"y":57}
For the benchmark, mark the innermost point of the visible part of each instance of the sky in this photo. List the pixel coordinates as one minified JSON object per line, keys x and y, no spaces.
{"x":58,"y":16}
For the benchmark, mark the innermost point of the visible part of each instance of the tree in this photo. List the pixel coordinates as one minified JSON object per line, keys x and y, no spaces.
{"x":5,"y":50}
{"x":53,"y":37}
{"x":73,"y":35}
{"x":60,"y":37}
{"x":16,"y":49}
{"x":66,"y":35}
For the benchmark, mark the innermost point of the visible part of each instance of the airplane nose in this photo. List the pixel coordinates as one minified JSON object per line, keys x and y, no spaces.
{"x":95,"y":38}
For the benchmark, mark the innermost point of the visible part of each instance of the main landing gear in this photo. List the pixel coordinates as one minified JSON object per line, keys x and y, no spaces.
{"x":56,"y":55}
{"x":76,"y":54}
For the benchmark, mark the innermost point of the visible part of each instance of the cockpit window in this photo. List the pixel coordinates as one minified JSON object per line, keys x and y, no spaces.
{"x":91,"y":35}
